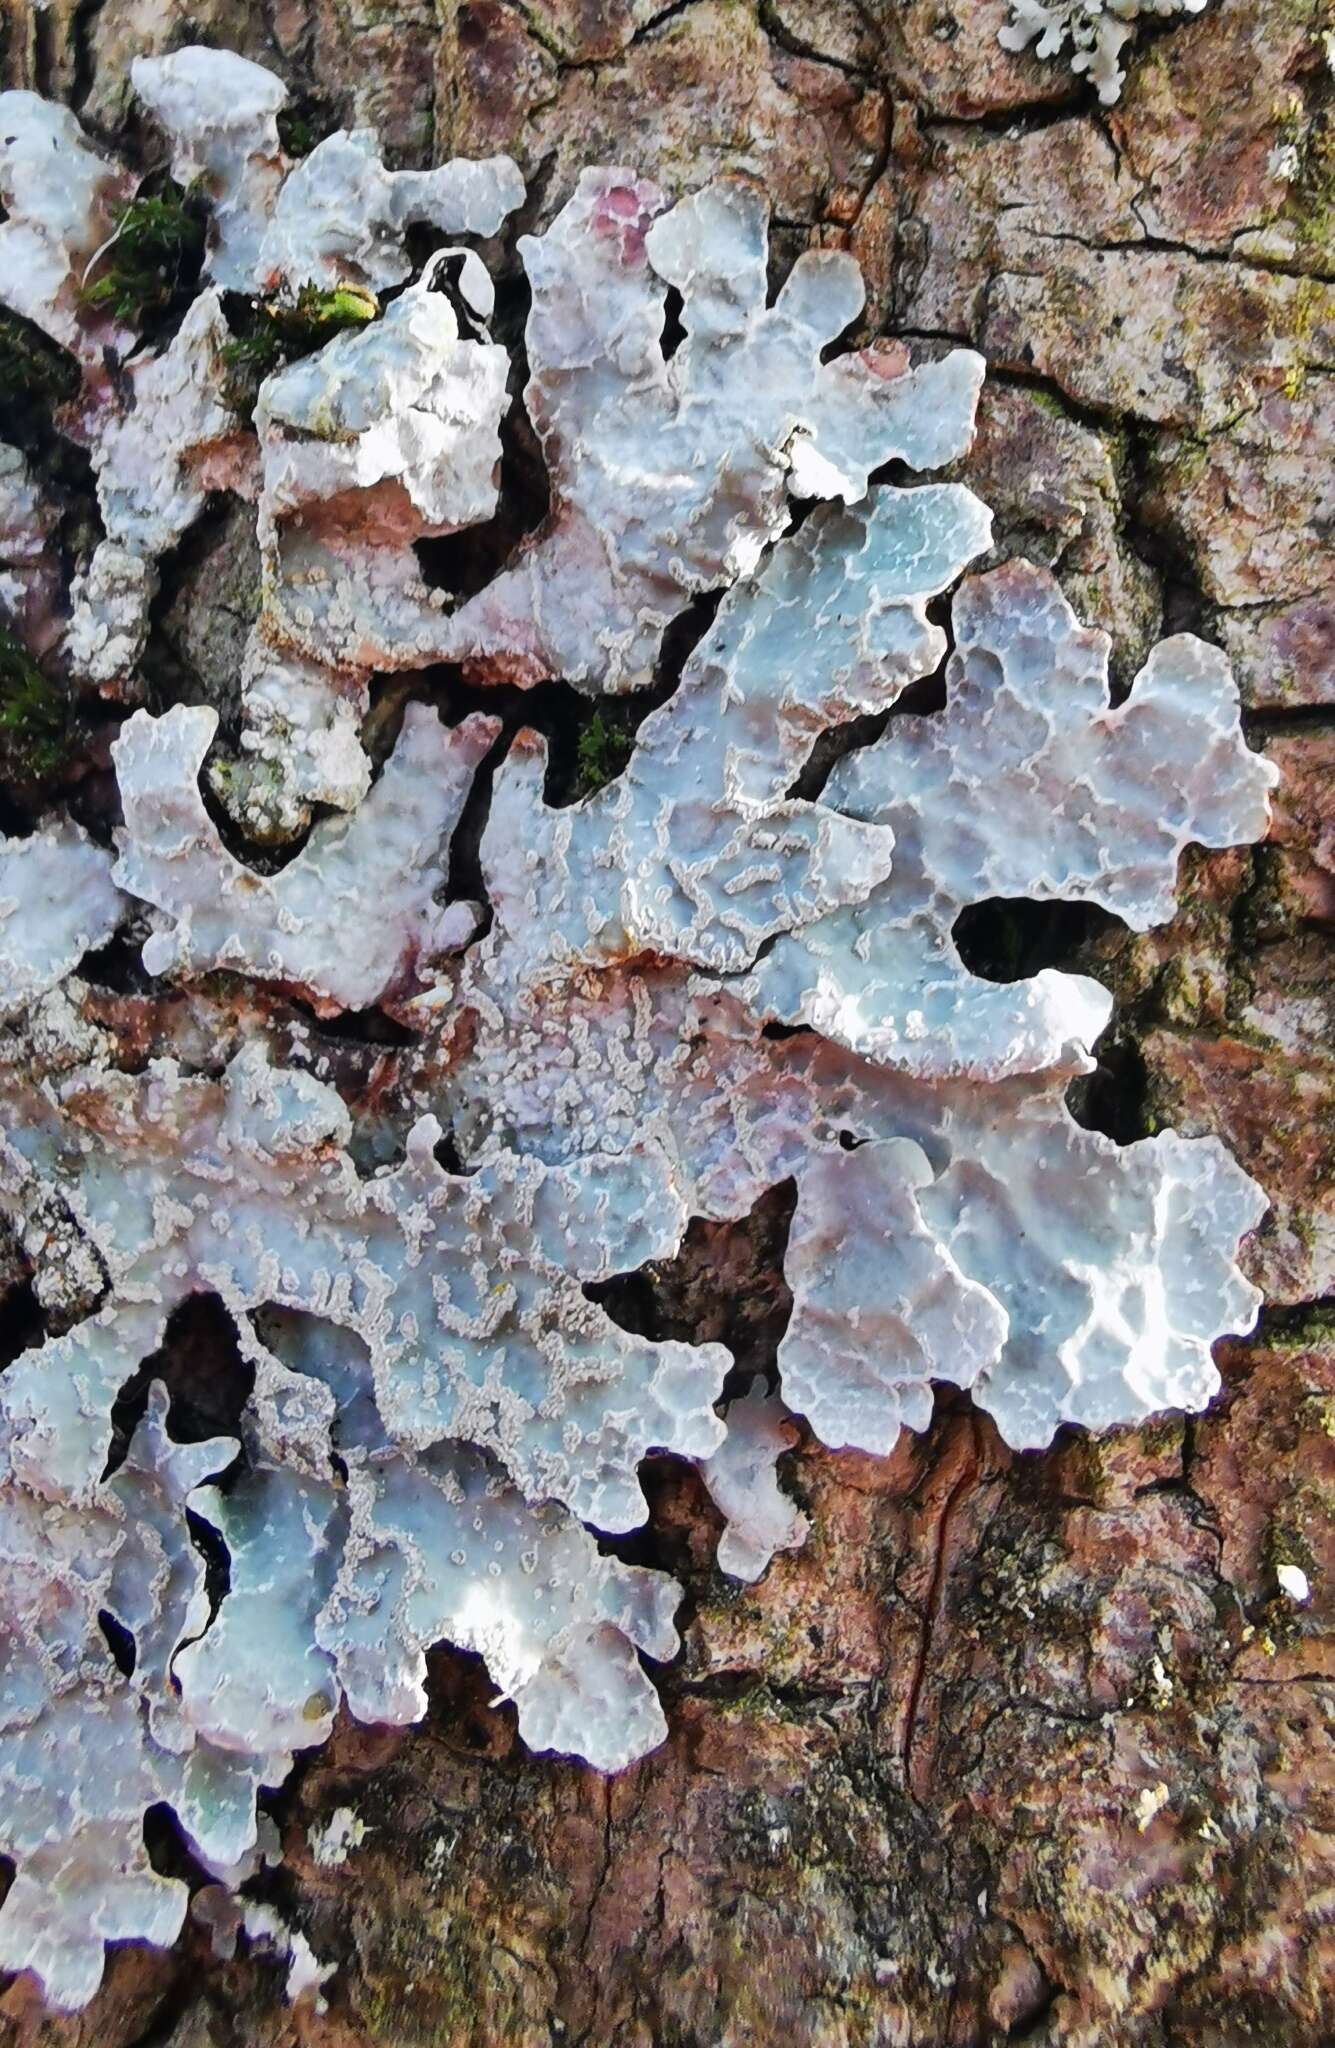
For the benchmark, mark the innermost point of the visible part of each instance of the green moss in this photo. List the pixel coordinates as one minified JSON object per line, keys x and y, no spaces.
{"x":36,"y":376}
{"x":155,"y":252}
{"x":33,"y":370}
{"x":1304,"y":1228}
{"x":1284,"y":1543}
{"x":272,"y":332}
{"x":1181,"y":994}
{"x":1162,"y":1435}
{"x":460,"y":1973}
{"x":602,"y":751}
{"x":1306,"y":1329}
{"x":1312,"y":199}
{"x":302,"y":125}
{"x":1048,"y":401}
{"x":1317,"y":1411}
{"x":34,"y":719}
{"x":1258,"y":915}
{"x":763,"y":1702}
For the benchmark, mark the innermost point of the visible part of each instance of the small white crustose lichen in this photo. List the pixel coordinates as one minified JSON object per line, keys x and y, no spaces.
{"x":1096,"y":32}
{"x":655,"y":1003}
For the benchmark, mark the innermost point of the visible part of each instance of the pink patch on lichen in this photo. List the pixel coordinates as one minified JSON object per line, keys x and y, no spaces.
{"x":886,"y":359}
{"x":623,"y":214}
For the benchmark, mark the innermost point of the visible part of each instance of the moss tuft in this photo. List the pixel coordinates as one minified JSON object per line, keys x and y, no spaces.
{"x":34,"y":719}
{"x":604,"y":747}
{"x":1310,"y":1327}
{"x":34,"y":371}
{"x":36,"y":376}
{"x":302,"y":125}
{"x":271,"y":332}
{"x":154,"y":253}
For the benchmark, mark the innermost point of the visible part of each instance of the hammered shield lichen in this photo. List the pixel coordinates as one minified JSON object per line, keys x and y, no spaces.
{"x":712,"y":973}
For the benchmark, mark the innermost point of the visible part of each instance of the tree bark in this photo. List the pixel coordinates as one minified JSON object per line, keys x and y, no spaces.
{"x":1018,"y":1747}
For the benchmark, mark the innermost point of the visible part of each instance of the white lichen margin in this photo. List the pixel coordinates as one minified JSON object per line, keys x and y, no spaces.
{"x":353,"y":917}
{"x":1094,"y":31}
{"x":57,"y":901}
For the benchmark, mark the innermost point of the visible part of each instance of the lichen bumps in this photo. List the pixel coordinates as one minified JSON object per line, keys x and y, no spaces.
{"x":730,"y":966}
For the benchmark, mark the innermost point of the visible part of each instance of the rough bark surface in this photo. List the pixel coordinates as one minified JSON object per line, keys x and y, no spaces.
{"x":1019,"y":1747}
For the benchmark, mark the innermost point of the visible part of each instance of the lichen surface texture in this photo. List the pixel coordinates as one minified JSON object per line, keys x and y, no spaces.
{"x":730,"y":967}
